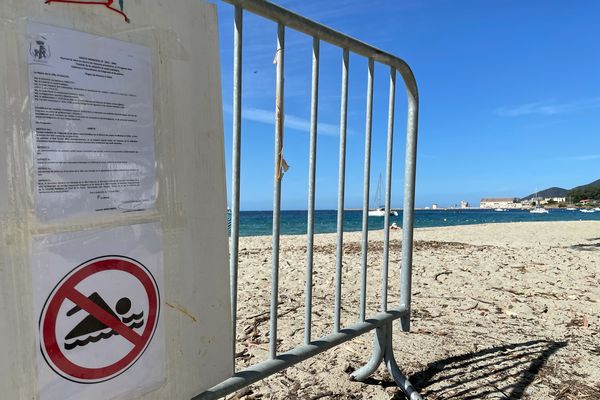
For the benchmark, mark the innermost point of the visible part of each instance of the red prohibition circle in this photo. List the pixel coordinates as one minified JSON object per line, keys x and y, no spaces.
{"x":65,"y":289}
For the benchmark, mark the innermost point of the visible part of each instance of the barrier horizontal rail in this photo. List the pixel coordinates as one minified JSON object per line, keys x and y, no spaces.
{"x":381,"y":322}
{"x":284,"y":360}
{"x":302,"y":24}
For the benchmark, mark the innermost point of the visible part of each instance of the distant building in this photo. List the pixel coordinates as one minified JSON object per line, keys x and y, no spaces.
{"x":434,"y":206}
{"x":464,"y":204}
{"x":546,"y":200}
{"x":506,"y":202}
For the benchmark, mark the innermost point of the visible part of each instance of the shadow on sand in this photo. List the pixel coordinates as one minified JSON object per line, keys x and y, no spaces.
{"x":500,"y":372}
{"x":588,"y":246}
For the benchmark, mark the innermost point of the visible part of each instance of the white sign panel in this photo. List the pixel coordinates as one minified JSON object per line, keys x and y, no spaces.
{"x":97,"y":297}
{"x":93,"y":123}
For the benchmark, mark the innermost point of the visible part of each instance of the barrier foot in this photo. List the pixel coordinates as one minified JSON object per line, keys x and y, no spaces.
{"x":400,"y":379}
{"x":376,"y":358}
{"x":383,"y":351}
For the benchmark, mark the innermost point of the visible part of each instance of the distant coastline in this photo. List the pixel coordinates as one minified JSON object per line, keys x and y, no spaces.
{"x":294,"y":222}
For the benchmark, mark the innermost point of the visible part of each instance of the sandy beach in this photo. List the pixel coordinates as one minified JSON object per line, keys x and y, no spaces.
{"x":500,"y":311}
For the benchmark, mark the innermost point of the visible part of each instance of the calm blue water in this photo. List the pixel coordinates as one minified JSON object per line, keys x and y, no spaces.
{"x":294,"y":222}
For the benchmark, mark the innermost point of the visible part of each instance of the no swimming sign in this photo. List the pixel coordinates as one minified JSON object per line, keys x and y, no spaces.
{"x":99,"y":327}
{"x":97,"y":330}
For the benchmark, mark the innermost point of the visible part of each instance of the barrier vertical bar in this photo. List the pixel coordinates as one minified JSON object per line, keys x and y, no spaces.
{"x":409,"y":207}
{"x":388,"y":190}
{"x":341,"y":183}
{"x":314,"y":106}
{"x":366,"y":186}
{"x":279,"y":115}
{"x":235,"y":170}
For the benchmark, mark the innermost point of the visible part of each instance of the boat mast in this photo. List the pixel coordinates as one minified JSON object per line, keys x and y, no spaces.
{"x":378,"y":194}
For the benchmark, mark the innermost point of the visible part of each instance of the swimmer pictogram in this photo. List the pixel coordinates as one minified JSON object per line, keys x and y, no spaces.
{"x":93,"y":329}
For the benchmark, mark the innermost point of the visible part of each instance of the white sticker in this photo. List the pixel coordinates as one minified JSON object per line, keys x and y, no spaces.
{"x":97,"y":298}
{"x":93,"y":123}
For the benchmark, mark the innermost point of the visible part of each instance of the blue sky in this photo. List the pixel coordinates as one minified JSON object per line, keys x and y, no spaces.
{"x":509,"y":98}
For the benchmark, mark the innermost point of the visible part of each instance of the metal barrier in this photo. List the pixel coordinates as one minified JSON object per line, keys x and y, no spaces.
{"x":382,"y":321}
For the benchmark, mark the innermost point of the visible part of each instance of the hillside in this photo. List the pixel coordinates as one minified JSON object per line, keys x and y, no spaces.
{"x":589,"y":185}
{"x":550,"y":192}
{"x":590,"y":190}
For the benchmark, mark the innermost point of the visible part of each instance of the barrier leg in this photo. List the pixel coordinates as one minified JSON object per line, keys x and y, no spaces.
{"x":383,"y":351}
{"x":400,"y":379}
{"x":378,"y":349}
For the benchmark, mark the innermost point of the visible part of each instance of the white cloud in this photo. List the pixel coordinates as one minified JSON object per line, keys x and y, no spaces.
{"x":586,"y":157}
{"x":290,"y":121}
{"x":548,"y":107}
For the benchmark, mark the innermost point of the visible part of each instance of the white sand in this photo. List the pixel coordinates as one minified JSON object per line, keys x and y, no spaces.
{"x":499,"y":311}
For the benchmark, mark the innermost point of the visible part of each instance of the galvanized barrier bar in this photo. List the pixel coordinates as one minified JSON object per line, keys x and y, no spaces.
{"x":410,"y":166}
{"x":279,"y":115}
{"x":388,"y":190}
{"x":235,"y":170}
{"x":341,"y":186}
{"x":285,"y":360}
{"x":314,"y":108}
{"x":366,"y":186}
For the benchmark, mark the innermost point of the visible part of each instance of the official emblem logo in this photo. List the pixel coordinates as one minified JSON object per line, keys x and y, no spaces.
{"x":39,"y":49}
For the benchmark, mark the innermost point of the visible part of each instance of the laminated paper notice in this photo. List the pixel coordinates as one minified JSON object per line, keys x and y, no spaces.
{"x":97,"y":297}
{"x":93,"y":124}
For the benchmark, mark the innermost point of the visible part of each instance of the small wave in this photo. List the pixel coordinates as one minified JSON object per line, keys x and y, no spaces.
{"x":133,"y":317}
{"x":136,"y":325}
{"x":89,"y":339}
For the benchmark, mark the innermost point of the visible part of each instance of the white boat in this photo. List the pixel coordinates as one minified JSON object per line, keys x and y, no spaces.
{"x":587,"y":210}
{"x":500,"y":209}
{"x":539,"y":210}
{"x":379,"y":211}
{"x":597,"y":209}
{"x":571,"y":208}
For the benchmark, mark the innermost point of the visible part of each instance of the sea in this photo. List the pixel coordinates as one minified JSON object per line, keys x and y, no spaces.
{"x":255,"y":223}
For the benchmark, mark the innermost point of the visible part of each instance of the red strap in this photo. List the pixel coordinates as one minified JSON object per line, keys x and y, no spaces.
{"x":106,"y":3}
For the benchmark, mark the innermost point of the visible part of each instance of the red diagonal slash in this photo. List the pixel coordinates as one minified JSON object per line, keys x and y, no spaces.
{"x":103,"y":316}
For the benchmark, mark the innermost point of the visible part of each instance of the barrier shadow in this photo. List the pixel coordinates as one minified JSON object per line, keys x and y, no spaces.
{"x":587,"y":246}
{"x":500,"y":372}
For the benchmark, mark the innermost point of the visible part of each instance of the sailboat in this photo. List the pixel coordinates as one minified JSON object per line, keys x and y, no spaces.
{"x":378,"y":210}
{"x":538,"y":209}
